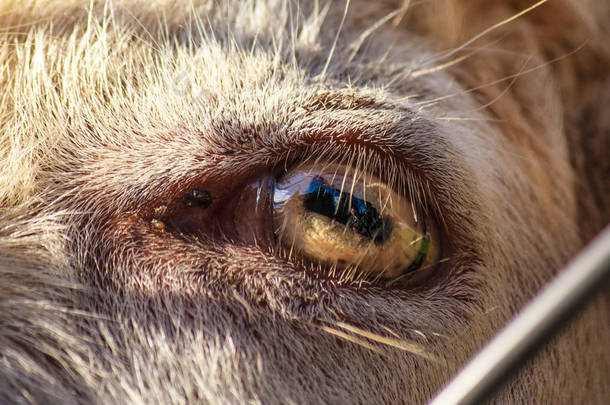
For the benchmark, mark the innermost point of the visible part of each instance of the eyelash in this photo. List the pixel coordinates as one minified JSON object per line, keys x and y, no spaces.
{"x":385,"y":166}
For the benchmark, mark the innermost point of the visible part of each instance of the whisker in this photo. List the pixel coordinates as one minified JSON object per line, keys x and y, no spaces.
{"x":155,"y":43}
{"x":503,"y":79}
{"x":437,"y":68}
{"x":369,"y":31}
{"x":402,"y":344}
{"x":392,"y":332}
{"x":503,"y":92}
{"x":334,"y":46}
{"x":485,"y":32}
{"x":469,"y":119}
{"x":402,"y":11}
{"x":350,"y":338}
{"x":5,"y":30}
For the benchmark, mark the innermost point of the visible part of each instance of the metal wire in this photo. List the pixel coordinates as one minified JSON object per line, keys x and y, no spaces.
{"x":543,"y":316}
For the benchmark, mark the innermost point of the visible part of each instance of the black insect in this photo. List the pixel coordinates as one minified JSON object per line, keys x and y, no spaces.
{"x":197,"y":198}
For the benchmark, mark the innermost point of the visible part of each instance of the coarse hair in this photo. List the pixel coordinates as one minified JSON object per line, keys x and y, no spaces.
{"x":490,"y":115}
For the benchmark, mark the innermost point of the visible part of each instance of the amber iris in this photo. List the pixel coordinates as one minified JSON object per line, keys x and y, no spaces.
{"x":351,"y":221}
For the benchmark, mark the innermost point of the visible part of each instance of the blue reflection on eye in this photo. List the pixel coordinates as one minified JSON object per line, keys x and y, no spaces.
{"x":316,"y":183}
{"x":358,"y":214}
{"x":332,"y":203}
{"x":355,"y":213}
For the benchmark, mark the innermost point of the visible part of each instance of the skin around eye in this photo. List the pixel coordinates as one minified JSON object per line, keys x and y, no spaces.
{"x":353,"y":222}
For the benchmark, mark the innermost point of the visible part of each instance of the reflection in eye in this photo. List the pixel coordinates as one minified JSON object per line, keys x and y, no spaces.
{"x":355,"y":223}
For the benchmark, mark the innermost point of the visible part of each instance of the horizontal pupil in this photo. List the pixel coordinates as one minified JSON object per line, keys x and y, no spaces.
{"x":359,"y":215}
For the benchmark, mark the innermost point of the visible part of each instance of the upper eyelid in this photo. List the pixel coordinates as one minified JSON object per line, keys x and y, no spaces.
{"x":387,"y":129}
{"x":387,"y":125}
{"x":421,"y":148}
{"x":412,"y":140}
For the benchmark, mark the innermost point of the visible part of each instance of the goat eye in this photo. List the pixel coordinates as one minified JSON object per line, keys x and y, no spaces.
{"x":355,"y":223}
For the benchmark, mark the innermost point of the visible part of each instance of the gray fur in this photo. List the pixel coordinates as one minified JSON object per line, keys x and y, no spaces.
{"x":111,"y":111}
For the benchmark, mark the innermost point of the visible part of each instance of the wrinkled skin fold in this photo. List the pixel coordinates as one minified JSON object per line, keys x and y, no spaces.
{"x":112,"y":112}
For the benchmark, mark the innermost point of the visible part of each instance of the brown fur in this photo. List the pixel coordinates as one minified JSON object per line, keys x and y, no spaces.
{"x":110,"y":112}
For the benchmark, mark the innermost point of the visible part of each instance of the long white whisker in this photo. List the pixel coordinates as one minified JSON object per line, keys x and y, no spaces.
{"x":505,"y":78}
{"x":332,"y":49}
{"x":485,"y":32}
{"x":369,"y":31}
